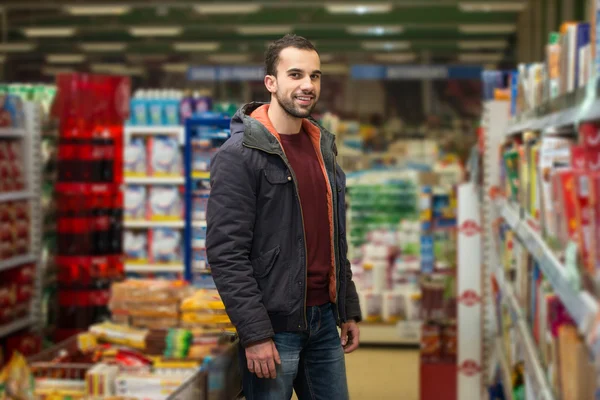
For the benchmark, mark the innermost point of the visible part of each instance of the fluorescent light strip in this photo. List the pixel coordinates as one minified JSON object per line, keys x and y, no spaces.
{"x":487,"y":28}
{"x":229,"y":58}
{"x":264,"y":29}
{"x":482,"y":44}
{"x":375,"y":30}
{"x":142,"y":58}
{"x":17,"y":47}
{"x":117,"y":69}
{"x":480,"y":57}
{"x":491,"y":7}
{"x":373,"y":45}
{"x":103,"y":47}
{"x":97,"y":10}
{"x":378,"y":8}
{"x":156,"y":31}
{"x":237,"y":8}
{"x":198,"y":46}
{"x":395,"y":57}
{"x":65,"y":58}
{"x":49,"y":32}
{"x":340,"y":69}
{"x":52,"y":71}
{"x":176,"y":68}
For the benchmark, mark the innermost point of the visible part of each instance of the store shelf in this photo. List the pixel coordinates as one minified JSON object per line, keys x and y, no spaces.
{"x":149,"y":268}
{"x":390,"y":334}
{"x":14,"y":196}
{"x":12,"y":132}
{"x":132,"y":130}
{"x":154,"y":224}
{"x":199,"y":224}
{"x":151,"y":180}
{"x":580,"y":105}
{"x":581,"y":305}
{"x":504,"y":369}
{"x":12,"y":327}
{"x":16,"y":261}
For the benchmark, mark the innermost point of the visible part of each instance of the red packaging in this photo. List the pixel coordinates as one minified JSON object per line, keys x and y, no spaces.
{"x":431,"y":343}
{"x":27,"y":344}
{"x":589,"y":135}
{"x":24,"y":293}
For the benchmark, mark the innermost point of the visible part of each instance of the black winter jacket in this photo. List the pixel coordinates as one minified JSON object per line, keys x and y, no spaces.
{"x":255,"y":235}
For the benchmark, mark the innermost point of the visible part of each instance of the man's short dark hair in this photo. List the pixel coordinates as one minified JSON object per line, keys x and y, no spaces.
{"x":289,"y":40}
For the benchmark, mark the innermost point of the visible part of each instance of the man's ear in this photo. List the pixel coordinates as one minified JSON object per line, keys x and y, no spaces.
{"x":271,"y":83}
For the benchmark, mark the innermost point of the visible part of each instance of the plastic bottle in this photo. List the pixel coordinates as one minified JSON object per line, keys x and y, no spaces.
{"x":139,"y":107}
{"x":171,"y":108}
{"x":186,"y":107}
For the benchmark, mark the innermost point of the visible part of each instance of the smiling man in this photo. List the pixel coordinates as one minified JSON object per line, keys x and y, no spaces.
{"x":276,"y":238}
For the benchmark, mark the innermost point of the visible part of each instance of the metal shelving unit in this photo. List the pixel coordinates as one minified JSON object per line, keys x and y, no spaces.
{"x":30,"y":141}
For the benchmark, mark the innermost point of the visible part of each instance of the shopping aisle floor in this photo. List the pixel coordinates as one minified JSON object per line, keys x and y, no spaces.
{"x":383,"y":374}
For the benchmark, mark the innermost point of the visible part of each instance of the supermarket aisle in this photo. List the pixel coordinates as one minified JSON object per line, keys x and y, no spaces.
{"x":383,"y":374}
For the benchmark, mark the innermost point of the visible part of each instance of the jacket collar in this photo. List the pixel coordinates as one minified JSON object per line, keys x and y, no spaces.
{"x":252,"y":121}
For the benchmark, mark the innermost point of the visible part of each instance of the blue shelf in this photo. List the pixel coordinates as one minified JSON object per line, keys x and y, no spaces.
{"x":195,"y":129}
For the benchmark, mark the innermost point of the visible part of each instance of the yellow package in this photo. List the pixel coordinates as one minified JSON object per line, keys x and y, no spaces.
{"x":203,"y":300}
{"x":205,"y":318}
{"x":17,"y":379}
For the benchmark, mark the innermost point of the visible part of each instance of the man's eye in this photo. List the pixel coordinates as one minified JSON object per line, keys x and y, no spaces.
{"x":315,"y":76}
{"x":295,"y":75}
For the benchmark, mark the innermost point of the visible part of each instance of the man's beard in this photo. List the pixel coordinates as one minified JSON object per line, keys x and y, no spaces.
{"x":290,"y":108}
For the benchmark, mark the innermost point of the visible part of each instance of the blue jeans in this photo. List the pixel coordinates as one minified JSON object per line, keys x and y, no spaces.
{"x":312,"y":363}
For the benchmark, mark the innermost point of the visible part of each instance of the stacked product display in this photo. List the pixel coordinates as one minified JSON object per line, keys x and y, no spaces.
{"x":402,"y":231}
{"x":164,"y":337}
{"x":91,"y":110}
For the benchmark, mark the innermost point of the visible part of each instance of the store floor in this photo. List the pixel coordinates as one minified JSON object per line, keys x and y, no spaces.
{"x":383,"y":374}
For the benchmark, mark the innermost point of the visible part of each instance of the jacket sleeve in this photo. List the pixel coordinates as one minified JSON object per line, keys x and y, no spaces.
{"x":352,"y":302}
{"x":230,"y":223}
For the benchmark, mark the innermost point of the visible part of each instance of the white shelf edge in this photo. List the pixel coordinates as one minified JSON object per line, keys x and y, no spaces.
{"x":12,"y":132}
{"x":149,"y":268}
{"x":149,"y":180}
{"x":16,"y":261}
{"x":534,"y":361}
{"x":199,"y":224}
{"x":154,"y":224}
{"x":11,"y":327}
{"x":581,"y":305}
{"x":154,"y":129}
{"x":505,"y":369}
{"x":384,"y":334}
{"x":15,"y":196}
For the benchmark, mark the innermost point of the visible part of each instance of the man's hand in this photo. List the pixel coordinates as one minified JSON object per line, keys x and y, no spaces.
{"x":261,"y":357}
{"x":350,"y":336}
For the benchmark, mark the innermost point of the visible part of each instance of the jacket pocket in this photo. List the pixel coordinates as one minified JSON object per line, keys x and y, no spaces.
{"x":263,"y":264}
{"x":276,"y":176}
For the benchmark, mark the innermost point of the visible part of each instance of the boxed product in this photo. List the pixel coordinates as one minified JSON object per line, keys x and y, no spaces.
{"x":165,"y":157}
{"x":199,"y":204}
{"x":371,"y":306}
{"x":12,"y":114}
{"x":135,"y":246}
{"x":165,"y":203}
{"x":166,"y":246}
{"x":135,"y":159}
{"x":136,"y":202}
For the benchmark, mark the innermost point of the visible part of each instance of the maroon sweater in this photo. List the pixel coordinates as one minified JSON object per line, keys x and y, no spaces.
{"x":312,"y":189}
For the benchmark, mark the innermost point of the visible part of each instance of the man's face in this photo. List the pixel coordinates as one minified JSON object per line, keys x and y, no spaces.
{"x":297,"y":85}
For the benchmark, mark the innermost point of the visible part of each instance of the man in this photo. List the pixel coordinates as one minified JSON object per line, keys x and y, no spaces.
{"x":276,"y":238}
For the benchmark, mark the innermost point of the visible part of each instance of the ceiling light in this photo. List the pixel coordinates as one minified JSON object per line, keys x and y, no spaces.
{"x":142,"y":58}
{"x":103,"y":47}
{"x":375,"y":30}
{"x":358,"y":8}
{"x":196,"y":46}
{"x":16,"y":47}
{"x":156,"y":31}
{"x":52,"y":71}
{"x":177,"y":68}
{"x":229,"y":58}
{"x":395,"y":57}
{"x":480,"y":57}
{"x":97,"y":10}
{"x":491,"y":7}
{"x":264,"y":30}
{"x":236,"y":8}
{"x":372,"y":45}
{"x":482,"y":44}
{"x":49,"y":32}
{"x":339,"y":69}
{"x":487,"y":28}
{"x":65,"y":58}
{"x":116,"y":69}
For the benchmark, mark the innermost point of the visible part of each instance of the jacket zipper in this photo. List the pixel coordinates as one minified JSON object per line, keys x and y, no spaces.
{"x":337,"y":283}
{"x":303,"y":229}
